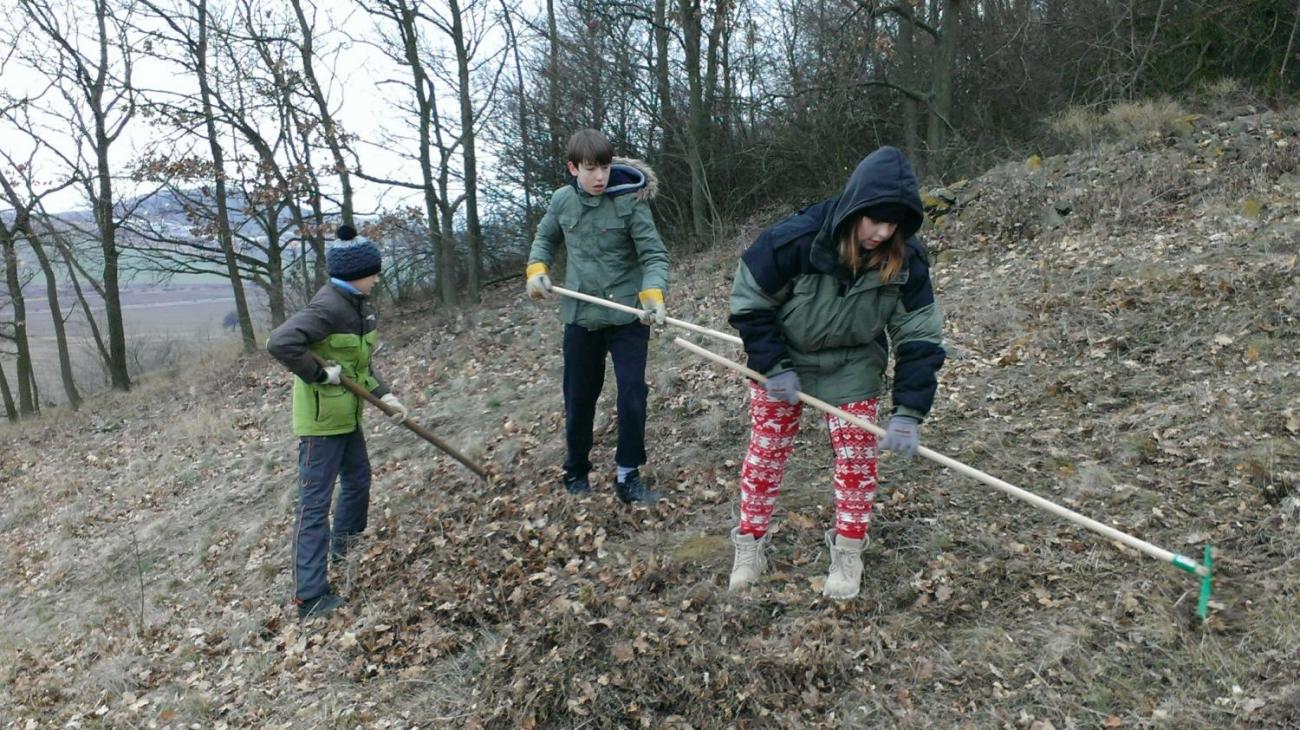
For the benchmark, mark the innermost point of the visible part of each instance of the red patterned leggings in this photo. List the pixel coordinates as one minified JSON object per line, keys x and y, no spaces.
{"x":773,"y":426}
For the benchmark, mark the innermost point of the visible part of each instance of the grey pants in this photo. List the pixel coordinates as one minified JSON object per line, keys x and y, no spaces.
{"x":320,"y":460}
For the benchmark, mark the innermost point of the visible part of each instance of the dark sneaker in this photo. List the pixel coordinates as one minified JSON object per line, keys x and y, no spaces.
{"x":322,"y":605}
{"x":577,"y":484}
{"x":631,"y":489}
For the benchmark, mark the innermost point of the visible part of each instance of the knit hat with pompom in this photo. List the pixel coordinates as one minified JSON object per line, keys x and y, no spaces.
{"x":352,"y":257}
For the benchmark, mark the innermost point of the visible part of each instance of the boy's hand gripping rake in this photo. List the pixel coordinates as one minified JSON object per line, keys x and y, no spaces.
{"x":1182,"y":562}
{"x":419,"y":430}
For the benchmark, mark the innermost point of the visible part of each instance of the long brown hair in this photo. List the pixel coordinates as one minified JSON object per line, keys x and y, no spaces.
{"x":887,"y":257}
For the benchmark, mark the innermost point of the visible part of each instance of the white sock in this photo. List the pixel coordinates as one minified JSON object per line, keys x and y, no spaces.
{"x":623,"y":471}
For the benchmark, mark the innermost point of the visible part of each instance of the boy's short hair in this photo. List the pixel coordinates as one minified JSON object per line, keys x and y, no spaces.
{"x":588,"y":145}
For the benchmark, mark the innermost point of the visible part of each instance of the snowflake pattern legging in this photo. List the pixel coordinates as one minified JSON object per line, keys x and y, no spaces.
{"x":773,"y":426}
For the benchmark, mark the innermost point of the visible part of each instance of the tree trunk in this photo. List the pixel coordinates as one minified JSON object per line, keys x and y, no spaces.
{"x":329,"y":127}
{"x":87,"y":311}
{"x":60,"y":330}
{"x":663,"y":88}
{"x":695,"y":120}
{"x":525,"y":160}
{"x":424,"y":100}
{"x":553,"y":88}
{"x":475,"y":266}
{"x":219,"y":181}
{"x":941,"y":86}
{"x":907,"y":76}
{"x":103,"y":199}
{"x":11,"y":410}
{"x":26,"y":406}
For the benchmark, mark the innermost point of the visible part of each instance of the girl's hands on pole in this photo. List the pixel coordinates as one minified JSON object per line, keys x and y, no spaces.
{"x":783,"y":386}
{"x":902,"y":436}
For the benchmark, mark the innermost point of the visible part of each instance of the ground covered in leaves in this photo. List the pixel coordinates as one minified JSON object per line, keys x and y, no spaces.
{"x":1123,"y":327}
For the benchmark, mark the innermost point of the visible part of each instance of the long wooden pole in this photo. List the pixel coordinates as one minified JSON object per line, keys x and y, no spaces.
{"x":419,"y":430}
{"x":1158,"y":553}
{"x":691,"y":326}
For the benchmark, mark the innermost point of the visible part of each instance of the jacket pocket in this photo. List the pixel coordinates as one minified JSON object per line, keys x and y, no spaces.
{"x":336,"y":408}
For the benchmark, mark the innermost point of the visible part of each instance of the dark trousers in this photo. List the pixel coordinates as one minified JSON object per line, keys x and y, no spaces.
{"x":320,"y":460}
{"x":584,"y":374}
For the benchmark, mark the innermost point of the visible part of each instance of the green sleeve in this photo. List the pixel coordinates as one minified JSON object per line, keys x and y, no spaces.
{"x":649,"y":248}
{"x":549,"y":234}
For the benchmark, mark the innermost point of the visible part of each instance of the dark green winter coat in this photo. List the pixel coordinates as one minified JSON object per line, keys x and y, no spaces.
{"x":613,"y":249}
{"x":797,"y":306}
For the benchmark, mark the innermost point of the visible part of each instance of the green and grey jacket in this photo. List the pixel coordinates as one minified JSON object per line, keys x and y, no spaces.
{"x":339,"y":326}
{"x":613,"y":248}
{"x":797,"y":306}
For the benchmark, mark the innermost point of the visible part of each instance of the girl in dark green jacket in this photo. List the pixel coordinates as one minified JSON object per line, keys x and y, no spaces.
{"x":820,"y":300}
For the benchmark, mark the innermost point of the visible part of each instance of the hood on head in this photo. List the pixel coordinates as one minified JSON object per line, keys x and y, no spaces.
{"x":882,"y":177}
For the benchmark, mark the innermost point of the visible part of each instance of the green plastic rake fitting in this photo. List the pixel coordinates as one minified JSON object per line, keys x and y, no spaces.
{"x":1206,"y":571}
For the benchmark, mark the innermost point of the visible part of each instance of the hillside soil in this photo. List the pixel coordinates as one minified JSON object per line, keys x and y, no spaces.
{"x":1123,"y":329}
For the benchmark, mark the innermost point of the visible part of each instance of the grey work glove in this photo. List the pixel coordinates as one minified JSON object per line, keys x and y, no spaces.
{"x":783,"y":386}
{"x":399,"y":410}
{"x":902,"y":436}
{"x":332,"y":374}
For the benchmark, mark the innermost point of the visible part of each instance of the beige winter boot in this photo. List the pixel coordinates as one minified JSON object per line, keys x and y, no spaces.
{"x":751,"y":559}
{"x":845,"y":577}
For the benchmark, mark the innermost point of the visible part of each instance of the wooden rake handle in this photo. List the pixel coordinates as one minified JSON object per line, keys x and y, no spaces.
{"x":1179,"y":561}
{"x":419,"y":430}
{"x":683,"y":324}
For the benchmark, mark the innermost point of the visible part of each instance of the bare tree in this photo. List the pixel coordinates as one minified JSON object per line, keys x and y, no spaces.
{"x":402,"y":17}
{"x":465,"y":24}
{"x":95,"y":82}
{"x":189,"y":22}
{"x":333,"y":134}
{"x":23,"y":202}
{"x":18,"y":333}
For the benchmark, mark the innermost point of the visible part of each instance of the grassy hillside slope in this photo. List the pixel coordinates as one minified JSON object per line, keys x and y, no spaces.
{"x":1135,"y":358}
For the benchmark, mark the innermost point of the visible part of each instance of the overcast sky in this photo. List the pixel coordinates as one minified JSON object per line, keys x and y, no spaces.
{"x":364,"y":104}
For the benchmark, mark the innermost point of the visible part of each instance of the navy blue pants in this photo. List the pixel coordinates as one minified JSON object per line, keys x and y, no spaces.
{"x":320,"y":460}
{"x":584,"y":375}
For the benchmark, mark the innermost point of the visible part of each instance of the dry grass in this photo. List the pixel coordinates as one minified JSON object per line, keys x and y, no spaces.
{"x":1089,"y":364}
{"x":1125,"y":122}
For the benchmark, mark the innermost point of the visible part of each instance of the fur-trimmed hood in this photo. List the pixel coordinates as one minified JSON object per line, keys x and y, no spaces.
{"x":628,"y":175}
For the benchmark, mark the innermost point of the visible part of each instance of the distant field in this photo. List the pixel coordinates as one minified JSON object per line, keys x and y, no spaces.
{"x":163,"y":324}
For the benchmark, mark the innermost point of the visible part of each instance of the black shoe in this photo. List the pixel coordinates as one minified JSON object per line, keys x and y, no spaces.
{"x":577,"y":484}
{"x":631,"y":489}
{"x":322,"y":605}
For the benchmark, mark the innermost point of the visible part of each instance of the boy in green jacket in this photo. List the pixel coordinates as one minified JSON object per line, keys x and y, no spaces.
{"x":338,"y":325}
{"x":614,"y":252}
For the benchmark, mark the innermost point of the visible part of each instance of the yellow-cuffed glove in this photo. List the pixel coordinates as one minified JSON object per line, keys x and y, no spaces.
{"x":539,"y":284}
{"x":652,"y":306}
